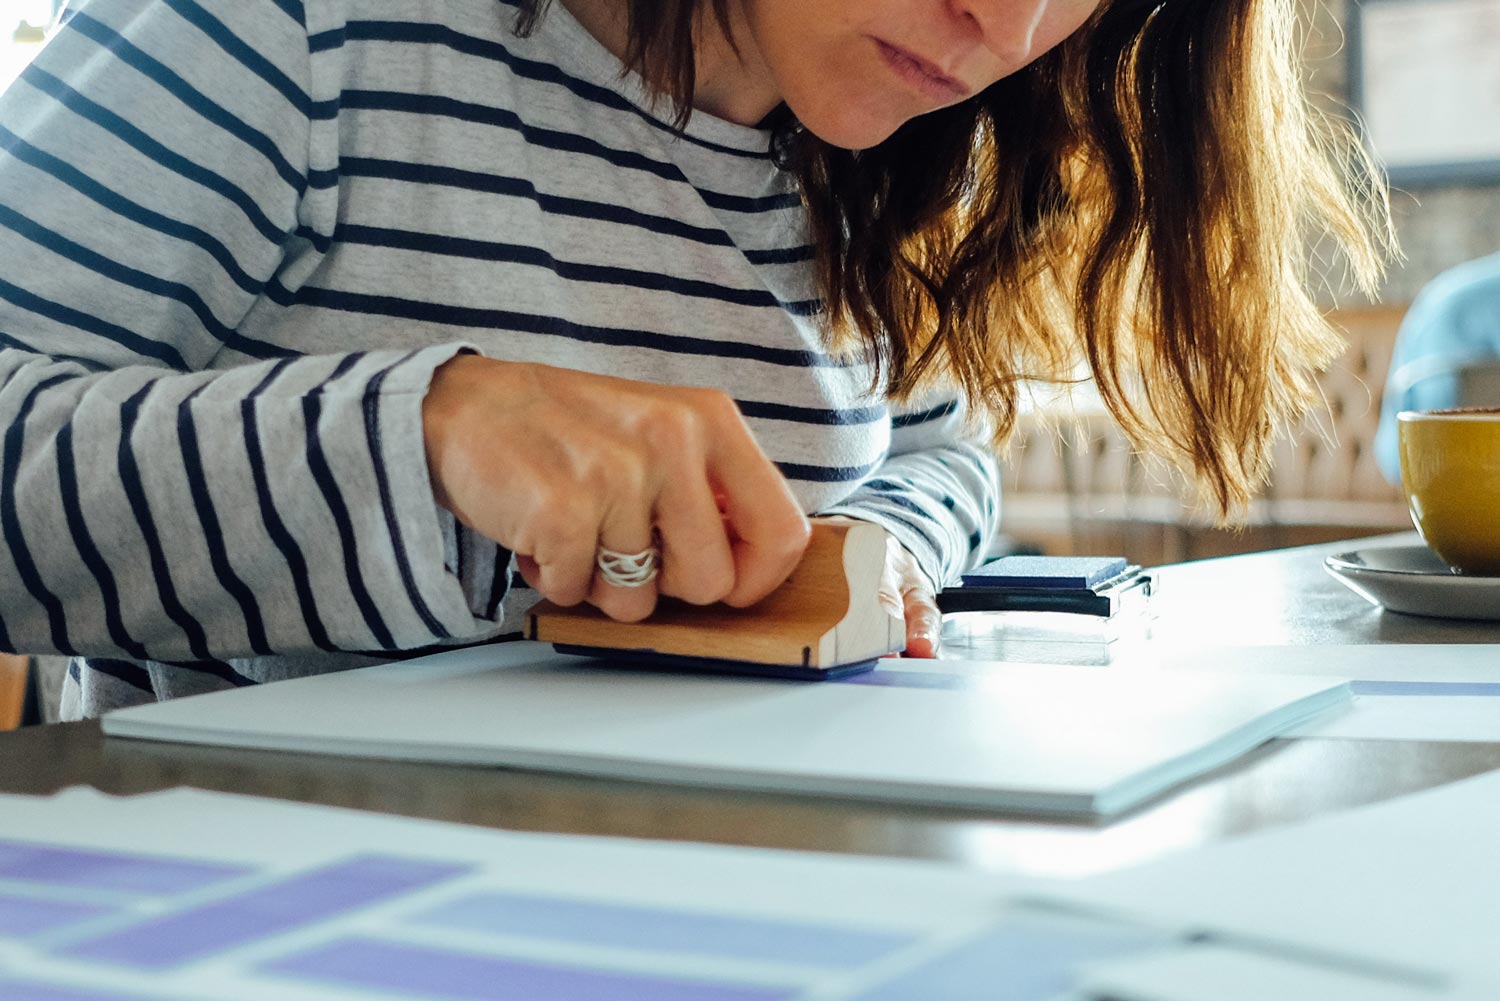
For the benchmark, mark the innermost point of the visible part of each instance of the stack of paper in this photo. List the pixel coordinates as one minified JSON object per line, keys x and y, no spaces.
{"x":1038,"y":738}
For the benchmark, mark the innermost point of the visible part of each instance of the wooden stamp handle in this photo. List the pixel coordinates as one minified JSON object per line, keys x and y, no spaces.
{"x":827,"y":613}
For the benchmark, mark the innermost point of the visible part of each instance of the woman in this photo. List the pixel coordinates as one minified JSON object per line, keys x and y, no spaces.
{"x":316,"y":312}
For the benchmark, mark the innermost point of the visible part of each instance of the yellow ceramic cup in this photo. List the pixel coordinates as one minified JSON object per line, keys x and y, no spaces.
{"x":1450,"y":470}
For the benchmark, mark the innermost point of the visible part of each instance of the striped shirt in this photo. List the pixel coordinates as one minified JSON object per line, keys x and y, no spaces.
{"x":237,"y":237}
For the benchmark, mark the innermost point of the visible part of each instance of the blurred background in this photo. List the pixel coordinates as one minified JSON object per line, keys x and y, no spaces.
{"x":1424,"y":78}
{"x":24,"y":24}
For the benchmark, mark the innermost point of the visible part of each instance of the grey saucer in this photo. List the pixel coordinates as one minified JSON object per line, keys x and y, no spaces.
{"x":1412,"y":579}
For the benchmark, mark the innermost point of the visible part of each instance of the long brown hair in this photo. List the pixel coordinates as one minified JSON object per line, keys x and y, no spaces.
{"x":1142,"y":202}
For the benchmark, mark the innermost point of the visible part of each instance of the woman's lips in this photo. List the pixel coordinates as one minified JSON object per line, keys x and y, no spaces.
{"x":921,"y":74}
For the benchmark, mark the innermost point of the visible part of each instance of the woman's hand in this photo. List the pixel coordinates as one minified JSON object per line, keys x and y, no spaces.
{"x":905,"y":591}
{"x":552,"y":464}
{"x":906,"y":594}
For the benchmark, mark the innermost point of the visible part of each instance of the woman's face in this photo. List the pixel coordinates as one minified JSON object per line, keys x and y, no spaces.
{"x":853,"y":71}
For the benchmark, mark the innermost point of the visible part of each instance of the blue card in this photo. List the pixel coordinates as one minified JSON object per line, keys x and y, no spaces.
{"x":1046,"y":571}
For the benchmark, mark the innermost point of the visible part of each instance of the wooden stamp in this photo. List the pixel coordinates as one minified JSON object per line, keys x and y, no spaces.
{"x":825,"y":621}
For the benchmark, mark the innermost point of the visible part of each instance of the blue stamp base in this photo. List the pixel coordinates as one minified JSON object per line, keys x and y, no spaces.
{"x":650,"y":660}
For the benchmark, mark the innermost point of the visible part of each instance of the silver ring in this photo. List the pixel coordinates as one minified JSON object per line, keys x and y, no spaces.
{"x":628,"y":569}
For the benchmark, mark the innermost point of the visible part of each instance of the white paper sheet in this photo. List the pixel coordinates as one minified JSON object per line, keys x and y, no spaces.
{"x":542,"y":916}
{"x":1414,"y":708}
{"x":1469,"y":674}
{"x":199,"y":896}
{"x":1445,"y":663}
{"x":1034,"y":738}
{"x":1379,"y":717}
{"x":1216,"y":973}
{"x":1412,"y":884}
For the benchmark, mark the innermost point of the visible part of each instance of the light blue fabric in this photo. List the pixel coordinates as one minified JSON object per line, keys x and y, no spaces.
{"x":1455,"y":320}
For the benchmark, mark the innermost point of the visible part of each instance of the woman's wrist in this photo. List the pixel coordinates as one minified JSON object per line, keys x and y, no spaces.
{"x":455,"y":384}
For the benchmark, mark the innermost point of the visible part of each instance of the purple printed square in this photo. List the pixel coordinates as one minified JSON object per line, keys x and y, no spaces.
{"x":656,"y":929}
{"x":30,"y":990}
{"x":24,"y":918}
{"x":393,"y":967}
{"x":266,"y":911}
{"x":144,"y":875}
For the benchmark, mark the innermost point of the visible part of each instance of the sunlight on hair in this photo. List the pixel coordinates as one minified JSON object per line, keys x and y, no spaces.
{"x":1143,"y":207}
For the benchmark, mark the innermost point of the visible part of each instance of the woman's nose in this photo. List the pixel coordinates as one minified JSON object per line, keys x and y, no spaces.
{"x":1008,"y":28}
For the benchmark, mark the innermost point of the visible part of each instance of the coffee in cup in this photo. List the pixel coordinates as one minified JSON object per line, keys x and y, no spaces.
{"x":1450,"y":470}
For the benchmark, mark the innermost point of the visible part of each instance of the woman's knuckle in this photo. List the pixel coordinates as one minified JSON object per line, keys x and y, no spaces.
{"x":716,"y":585}
{"x":630,"y":475}
{"x":702,"y":585}
{"x":566,"y":590}
{"x":562,"y":517}
{"x":629,"y":606}
{"x":668,"y":429}
{"x":719,"y":407}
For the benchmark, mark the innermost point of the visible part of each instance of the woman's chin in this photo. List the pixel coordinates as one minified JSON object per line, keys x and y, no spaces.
{"x":849,"y":128}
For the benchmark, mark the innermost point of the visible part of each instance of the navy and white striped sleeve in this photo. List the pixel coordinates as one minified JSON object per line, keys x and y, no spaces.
{"x":151,"y":508}
{"x":938,"y":491}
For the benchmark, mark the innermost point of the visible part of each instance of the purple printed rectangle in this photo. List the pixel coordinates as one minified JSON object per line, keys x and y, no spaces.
{"x":283,"y":906}
{"x":394,"y":967}
{"x":24,"y":918}
{"x":144,"y":875}
{"x":30,"y":990}
{"x":883,"y":677}
{"x":655,"y":929}
{"x":1016,"y":960}
{"x":1467,"y":689}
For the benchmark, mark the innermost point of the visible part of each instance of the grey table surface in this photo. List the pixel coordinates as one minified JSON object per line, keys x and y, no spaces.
{"x":1282,"y":597}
